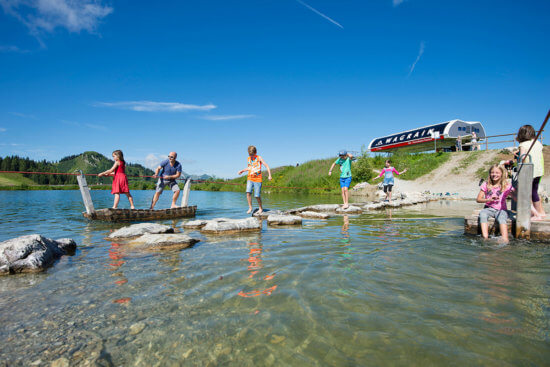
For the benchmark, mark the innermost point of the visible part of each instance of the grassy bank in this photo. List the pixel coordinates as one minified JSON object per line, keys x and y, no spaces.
{"x":312,"y":177}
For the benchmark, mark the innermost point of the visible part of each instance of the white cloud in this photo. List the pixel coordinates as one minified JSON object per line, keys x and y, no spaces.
{"x":153,"y":159}
{"x":398,"y":2}
{"x":23,"y":115}
{"x":2,"y":129}
{"x":150,"y":106}
{"x":96,"y":127}
{"x":420,"y":52}
{"x":89,"y":126}
{"x":46,"y":15}
{"x":12,"y":49}
{"x":320,"y":14}
{"x":227,"y":117}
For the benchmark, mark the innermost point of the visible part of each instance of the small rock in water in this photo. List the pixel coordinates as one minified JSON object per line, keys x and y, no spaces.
{"x":276,"y":339}
{"x":60,"y":362}
{"x":186,"y":354}
{"x":137,"y":328}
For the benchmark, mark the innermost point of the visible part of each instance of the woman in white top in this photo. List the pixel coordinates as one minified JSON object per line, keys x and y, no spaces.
{"x":526,"y":136}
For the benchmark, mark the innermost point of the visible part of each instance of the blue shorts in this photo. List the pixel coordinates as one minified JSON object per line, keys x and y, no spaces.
{"x":257,"y":188}
{"x":345,"y":182}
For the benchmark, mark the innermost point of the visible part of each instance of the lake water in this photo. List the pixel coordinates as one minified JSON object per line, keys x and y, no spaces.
{"x":351,"y":290}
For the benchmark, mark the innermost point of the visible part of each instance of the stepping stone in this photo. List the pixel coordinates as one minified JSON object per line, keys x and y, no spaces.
{"x":279,"y":220}
{"x":139,"y":229}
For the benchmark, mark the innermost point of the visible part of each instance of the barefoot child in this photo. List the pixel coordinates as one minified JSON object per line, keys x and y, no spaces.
{"x":120,"y":181}
{"x":493,"y":193}
{"x":254,"y":179}
{"x":388,"y":172}
{"x":344,"y":161}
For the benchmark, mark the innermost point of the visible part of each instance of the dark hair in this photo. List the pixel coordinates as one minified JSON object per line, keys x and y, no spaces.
{"x":388,"y":161}
{"x":525,"y":133}
{"x":252,"y":149}
{"x":119,"y":154}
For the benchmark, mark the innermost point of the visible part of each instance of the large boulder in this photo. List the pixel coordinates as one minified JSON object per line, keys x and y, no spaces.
{"x":163,"y":241}
{"x":32,"y":253}
{"x":281,"y":220}
{"x":224,"y":225}
{"x":136,"y":230}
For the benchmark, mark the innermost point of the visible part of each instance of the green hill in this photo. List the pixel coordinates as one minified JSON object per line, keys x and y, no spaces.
{"x":312,"y":176}
{"x":87,"y":162}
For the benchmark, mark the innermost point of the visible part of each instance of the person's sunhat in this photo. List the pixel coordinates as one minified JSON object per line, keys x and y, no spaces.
{"x":343,"y":152}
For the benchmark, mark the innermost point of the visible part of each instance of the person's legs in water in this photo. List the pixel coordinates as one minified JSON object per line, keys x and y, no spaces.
{"x":537,"y":203}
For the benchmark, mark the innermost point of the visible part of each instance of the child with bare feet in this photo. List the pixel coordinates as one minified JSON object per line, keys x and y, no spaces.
{"x":388,"y":172}
{"x":344,"y":161}
{"x":493,"y":194}
{"x":120,"y":181}
{"x":254,"y":179}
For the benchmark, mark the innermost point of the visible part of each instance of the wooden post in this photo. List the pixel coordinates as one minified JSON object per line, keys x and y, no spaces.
{"x":486,"y":144}
{"x":85,"y":191}
{"x":524,"y":189}
{"x":186,"y":190}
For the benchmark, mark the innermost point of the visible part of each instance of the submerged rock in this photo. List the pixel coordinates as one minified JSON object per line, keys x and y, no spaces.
{"x":323,"y":207}
{"x":164,"y":241}
{"x":277,"y":220}
{"x":32,"y":253}
{"x":232,"y":225}
{"x":139,"y":229}
{"x":313,"y":215}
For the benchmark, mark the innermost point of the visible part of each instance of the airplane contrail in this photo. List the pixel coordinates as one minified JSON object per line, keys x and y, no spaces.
{"x":320,"y":14}
{"x":420,"y":52}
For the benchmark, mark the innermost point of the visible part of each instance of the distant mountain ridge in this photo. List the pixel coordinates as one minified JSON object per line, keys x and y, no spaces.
{"x":88,"y":162}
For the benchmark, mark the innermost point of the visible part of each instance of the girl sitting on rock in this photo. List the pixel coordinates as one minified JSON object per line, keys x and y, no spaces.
{"x":493,"y":194}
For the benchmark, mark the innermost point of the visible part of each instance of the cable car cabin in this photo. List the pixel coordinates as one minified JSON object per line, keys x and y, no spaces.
{"x":443,"y":136}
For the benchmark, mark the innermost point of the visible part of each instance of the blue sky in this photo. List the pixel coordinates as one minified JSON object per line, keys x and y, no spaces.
{"x":298,"y":79}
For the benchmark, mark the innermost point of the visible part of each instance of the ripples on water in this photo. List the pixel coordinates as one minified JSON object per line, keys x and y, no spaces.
{"x":352,"y":290}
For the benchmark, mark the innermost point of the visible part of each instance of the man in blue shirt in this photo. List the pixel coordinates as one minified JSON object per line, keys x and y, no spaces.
{"x":171,"y":170}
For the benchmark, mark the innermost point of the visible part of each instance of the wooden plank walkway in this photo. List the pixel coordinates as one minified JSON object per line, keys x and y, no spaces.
{"x":129,"y":215}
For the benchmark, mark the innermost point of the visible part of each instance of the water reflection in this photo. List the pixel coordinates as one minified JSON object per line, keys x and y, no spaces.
{"x":254,"y":266}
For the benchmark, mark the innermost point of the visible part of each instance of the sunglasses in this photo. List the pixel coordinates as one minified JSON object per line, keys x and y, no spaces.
{"x":171,"y":156}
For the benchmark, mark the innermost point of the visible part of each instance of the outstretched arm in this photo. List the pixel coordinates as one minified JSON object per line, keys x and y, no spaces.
{"x":243,"y":170}
{"x":110,"y":172}
{"x":157,"y":172}
{"x":394,"y":170}
{"x":331,"y":168}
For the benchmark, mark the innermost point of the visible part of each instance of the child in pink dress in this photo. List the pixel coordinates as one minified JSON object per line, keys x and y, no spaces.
{"x":388,"y":172}
{"x":493,"y":194}
{"x":120,"y":181}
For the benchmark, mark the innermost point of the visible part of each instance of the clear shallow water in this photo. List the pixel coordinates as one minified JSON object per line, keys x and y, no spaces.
{"x":355,"y":290}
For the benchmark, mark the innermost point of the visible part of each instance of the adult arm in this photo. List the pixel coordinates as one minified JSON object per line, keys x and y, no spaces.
{"x":157,"y":172}
{"x":110,"y":172}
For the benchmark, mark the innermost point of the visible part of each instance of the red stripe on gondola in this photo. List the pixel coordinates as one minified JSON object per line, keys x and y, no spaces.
{"x":401,"y":144}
